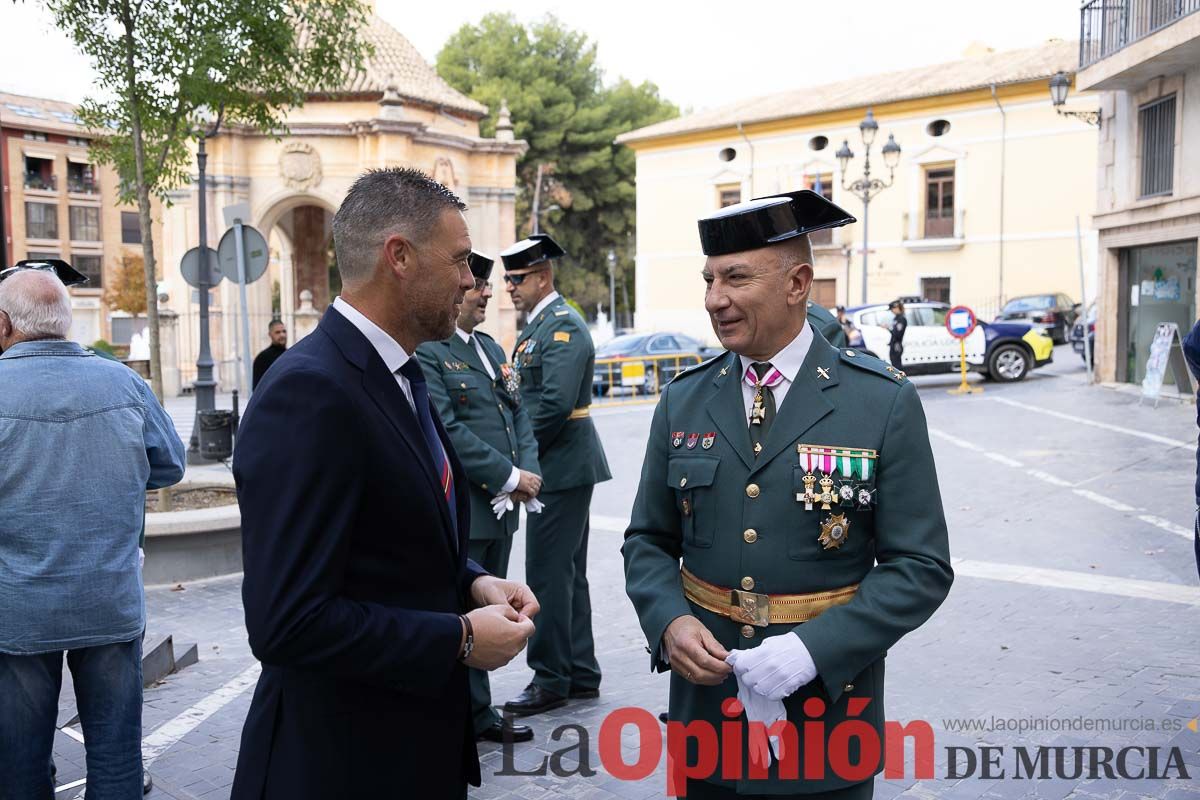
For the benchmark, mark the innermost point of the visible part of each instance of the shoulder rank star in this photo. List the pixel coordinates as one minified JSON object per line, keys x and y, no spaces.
{"x":834,"y":531}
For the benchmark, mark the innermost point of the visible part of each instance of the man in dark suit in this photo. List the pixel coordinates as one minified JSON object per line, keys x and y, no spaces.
{"x":1191,"y":352}
{"x":475,"y":391}
{"x":360,"y":600}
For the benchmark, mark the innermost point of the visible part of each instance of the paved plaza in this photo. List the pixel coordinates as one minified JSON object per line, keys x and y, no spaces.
{"x":1070,"y":511}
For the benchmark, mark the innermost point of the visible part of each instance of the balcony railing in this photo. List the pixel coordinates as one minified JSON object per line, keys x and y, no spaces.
{"x":46,"y":183}
{"x":82,"y":186}
{"x":1106,"y":26}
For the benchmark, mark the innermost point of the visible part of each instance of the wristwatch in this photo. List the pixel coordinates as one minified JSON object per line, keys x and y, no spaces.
{"x":469,"y":643}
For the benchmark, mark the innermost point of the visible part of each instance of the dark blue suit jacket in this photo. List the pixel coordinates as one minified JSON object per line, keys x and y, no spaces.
{"x":354,"y":579}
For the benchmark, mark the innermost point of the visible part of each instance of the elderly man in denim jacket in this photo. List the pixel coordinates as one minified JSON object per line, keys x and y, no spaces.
{"x":81,"y":440}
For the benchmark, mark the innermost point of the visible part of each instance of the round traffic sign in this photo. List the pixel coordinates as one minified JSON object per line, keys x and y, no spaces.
{"x":961,"y":322}
{"x":190,"y":267}
{"x":254,"y":248}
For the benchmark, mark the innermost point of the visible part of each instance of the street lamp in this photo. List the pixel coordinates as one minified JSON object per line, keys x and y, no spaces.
{"x":1060,"y":85}
{"x":205,"y":388}
{"x":867,"y":187}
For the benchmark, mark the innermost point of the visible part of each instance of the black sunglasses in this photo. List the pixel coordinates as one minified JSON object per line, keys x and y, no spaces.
{"x":519,"y":278}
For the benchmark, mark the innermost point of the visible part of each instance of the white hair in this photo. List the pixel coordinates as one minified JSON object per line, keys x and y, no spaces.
{"x":37,"y":305}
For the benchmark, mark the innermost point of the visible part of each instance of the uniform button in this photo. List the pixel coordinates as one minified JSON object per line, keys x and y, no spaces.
{"x":752,"y":490}
{"x":484,"y":485}
{"x":463,"y":385}
{"x":748,"y":631}
{"x":849,"y":687}
{"x":751,"y":536}
{"x":748,"y":583}
{"x":850,"y":353}
{"x":682,"y":482}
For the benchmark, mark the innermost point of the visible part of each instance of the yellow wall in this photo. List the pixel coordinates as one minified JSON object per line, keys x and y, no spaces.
{"x":1050,"y":174}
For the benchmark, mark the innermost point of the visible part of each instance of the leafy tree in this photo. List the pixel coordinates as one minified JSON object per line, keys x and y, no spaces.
{"x":164,"y":65}
{"x":127,"y":291}
{"x":560,"y":105}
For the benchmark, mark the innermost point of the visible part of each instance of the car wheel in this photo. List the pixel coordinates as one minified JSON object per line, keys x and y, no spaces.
{"x":1008,"y":363}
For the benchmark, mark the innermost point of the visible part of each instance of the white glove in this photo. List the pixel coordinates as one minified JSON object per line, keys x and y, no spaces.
{"x":777,"y":667}
{"x":501,"y":504}
{"x":758,"y":709}
{"x":534,"y":506}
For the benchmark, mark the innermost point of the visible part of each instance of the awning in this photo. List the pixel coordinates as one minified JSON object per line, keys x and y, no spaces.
{"x":79,"y":158}
{"x":39,"y":154}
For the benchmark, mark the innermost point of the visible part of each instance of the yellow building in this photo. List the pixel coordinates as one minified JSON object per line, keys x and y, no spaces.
{"x":982,"y":207}
{"x":397,"y":112}
{"x":59,"y":204}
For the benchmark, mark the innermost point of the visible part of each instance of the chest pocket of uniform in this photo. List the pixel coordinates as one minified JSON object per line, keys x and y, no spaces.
{"x":692,"y":479}
{"x":853,"y":518}
{"x":464,"y":389}
{"x":531,"y":370}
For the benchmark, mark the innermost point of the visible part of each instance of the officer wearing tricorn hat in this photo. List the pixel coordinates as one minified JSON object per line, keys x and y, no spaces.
{"x":474,"y":387}
{"x":788,"y":528}
{"x":555,"y":358}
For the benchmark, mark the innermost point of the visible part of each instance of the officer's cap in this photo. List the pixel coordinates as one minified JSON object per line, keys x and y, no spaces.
{"x":65,"y":272}
{"x":895,"y":304}
{"x":481,"y":265}
{"x":765,"y":221}
{"x":531,"y":251}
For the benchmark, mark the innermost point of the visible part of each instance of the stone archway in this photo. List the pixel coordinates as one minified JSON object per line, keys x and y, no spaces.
{"x":309,"y":232}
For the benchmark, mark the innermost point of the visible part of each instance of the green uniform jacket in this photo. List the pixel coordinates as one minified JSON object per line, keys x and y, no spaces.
{"x":731,"y":517}
{"x":556,"y":360}
{"x":487,"y":425}
{"x":828,"y":325}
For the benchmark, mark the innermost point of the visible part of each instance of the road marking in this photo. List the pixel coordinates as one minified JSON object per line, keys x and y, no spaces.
{"x":1094,"y":423}
{"x":1104,"y":500}
{"x":1078,"y":581}
{"x":74,"y":734}
{"x":1046,"y":477}
{"x":72,"y":785}
{"x":1167,"y":525}
{"x":1003,"y":459}
{"x":963,"y":443}
{"x":170,"y":732}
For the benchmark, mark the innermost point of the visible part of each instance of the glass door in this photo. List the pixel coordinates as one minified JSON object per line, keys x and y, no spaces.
{"x":1162,"y":288}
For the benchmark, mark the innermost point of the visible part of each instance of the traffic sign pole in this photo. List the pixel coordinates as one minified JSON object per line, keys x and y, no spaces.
{"x":247,"y":364}
{"x":961,"y":323}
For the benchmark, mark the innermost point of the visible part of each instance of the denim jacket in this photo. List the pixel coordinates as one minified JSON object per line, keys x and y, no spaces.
{"x":81,"y":440}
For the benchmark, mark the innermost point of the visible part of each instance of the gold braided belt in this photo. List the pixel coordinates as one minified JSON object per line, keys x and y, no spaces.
{"x":761,"y":610}
{"x":581,"y":413}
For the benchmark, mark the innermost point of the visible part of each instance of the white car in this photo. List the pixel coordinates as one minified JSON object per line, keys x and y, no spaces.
{"x":1001,"y":351}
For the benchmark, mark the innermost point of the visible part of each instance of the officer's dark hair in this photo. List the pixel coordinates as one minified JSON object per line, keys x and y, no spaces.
{"x":383,"y":203}
{"x":273,"y":323}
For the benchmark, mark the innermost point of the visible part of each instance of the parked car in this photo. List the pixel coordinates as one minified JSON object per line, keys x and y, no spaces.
{"x":666,"y":354}
{"x":1000,"y":351}
{"x":1053,"y":313}
{"x":1077,"y":334}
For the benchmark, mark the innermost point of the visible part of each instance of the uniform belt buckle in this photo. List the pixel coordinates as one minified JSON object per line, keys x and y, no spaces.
{"x":750,"y":608}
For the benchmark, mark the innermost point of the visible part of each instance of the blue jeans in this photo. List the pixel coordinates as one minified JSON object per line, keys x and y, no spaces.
{"x":108,"y":691}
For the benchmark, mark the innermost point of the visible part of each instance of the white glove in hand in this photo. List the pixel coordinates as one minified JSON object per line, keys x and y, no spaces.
{"x":758,"y":709}
{"x":501,"y":504}
{"x":534,"y":506}
{"x":777,"y":667}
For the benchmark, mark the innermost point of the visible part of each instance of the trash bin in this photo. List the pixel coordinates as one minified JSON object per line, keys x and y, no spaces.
{"x":216,"y":434}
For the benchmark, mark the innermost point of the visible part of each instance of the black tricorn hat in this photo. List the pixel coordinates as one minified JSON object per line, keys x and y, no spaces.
{"x":65,"y":272}
{"x":765,"y":221}
{"x":481,"y":265}
{"x":531,"y":251}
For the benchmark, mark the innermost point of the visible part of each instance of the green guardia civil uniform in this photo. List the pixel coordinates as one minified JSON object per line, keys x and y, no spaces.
{"x":827,"y":324}
{"x":556,"y":359}
{"x":491,"y":434}
{"x":840,"y":510}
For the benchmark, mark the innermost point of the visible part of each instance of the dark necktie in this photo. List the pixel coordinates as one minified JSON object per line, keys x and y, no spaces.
{"x":762,"y":377}
{"x":441,"y":462}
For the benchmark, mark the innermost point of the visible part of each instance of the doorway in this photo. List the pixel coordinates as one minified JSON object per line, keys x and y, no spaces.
{"x":1158,"y":285}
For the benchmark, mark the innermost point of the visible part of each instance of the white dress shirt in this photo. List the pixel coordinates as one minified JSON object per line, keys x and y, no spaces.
{"x":788,"y":361}
{"x":515,"y":476}
{"x":541,"y":306}
{"x":389,"y":349}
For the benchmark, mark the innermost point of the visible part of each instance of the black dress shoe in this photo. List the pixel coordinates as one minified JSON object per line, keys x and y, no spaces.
{"x":583,"y":694}
{"x":500,"y":732}
{"x":534,"y":700}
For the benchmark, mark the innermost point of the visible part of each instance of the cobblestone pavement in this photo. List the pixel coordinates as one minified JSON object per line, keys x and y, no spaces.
{"x":1071,"y":513}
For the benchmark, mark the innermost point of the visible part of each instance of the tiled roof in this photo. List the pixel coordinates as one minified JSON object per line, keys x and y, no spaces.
{"x":396,"y":60}
{"x":19,"y":111}
{"x":1012,"y":66}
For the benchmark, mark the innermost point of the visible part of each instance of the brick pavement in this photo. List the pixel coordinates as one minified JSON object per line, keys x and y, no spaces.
{"x":996,"y":648}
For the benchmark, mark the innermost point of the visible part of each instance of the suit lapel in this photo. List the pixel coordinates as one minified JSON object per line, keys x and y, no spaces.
{"x":728,"y":409}
{"x":805,"y":403}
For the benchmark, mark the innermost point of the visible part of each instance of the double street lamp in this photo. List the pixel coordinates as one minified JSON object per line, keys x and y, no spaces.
{"x":867,"y":187}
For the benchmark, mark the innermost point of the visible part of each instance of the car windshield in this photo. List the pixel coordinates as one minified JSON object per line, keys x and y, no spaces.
{"x":621,"y":344}
{"x":1039,"y":303}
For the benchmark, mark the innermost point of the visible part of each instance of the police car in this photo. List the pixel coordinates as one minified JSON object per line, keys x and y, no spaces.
{"x":1002,"y":351}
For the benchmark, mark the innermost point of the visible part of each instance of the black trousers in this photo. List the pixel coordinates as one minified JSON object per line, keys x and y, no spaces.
{"x":896,"y":353}
{"x":702,"y":790}
{"x":492,"y":555}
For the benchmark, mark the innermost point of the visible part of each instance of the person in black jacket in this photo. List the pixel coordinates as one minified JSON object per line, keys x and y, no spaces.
{"x":1191,"y":352}
{"x":263,"y":361}
{"x":899,"y":325}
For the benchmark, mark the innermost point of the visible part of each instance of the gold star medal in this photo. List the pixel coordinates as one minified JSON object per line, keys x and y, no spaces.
{"x":834,"y":531}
